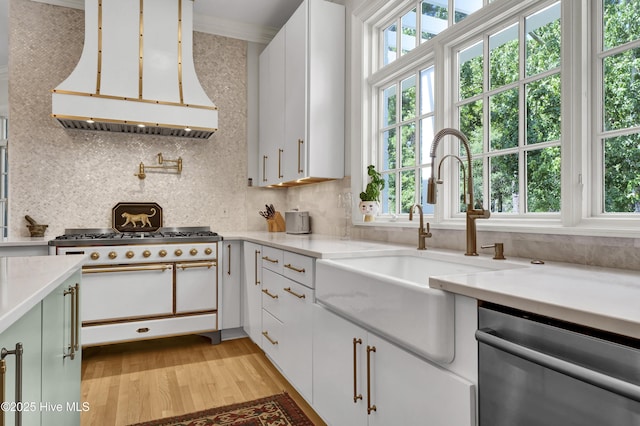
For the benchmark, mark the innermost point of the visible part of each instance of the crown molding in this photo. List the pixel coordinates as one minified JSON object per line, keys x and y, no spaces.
{"x":203,"y":23}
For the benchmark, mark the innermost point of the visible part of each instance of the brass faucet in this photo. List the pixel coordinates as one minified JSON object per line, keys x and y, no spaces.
{"x":422,"y":233}
{"x":472,"y":214}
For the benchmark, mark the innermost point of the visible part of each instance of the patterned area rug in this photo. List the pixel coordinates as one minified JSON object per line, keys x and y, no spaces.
{"x":275,"y":410}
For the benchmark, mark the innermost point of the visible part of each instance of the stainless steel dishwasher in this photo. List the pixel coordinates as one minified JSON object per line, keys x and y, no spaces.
{"x":536,"y":371}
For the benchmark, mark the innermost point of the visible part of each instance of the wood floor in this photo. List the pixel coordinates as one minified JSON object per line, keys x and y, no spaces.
{"x":140,"y":381}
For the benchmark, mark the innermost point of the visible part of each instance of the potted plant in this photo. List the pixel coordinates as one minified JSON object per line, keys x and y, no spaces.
{"x":370,"y":197}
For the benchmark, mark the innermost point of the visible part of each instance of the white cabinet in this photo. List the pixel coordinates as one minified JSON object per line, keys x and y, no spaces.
{"x":287,"y":296}
{"x":231,"y":316}
{"x":361,"y":379}
{"x":252,"y":295}
{"x":301,"y":102}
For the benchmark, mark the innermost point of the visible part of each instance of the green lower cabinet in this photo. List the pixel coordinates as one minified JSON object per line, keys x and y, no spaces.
{"x":27,"y":331}
{"x":61,"y":355}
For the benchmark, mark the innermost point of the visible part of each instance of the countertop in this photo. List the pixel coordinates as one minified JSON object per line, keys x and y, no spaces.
{"x":25,"y":281}
{"x":24,"y":241}
{"x":602,"y":298}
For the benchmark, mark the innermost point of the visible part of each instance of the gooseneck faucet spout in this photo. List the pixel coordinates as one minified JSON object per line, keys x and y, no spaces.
{"x":423,"y":234}
{"x":472,"y":214}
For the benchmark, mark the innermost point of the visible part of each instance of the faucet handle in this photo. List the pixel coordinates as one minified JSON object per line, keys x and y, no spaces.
{"x":499,"y":250}
{"x":426,"y":233}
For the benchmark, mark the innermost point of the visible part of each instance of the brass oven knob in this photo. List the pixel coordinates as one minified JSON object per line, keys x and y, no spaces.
{"x":113,"y":255}
{"x":95,"y":255}
{"x":162,"y":253}
{"x":129,"y":254}
{"x":208,"y":251}
{"x":193,"y":252}
{"x":178,"y":252}
{"x":146,"y":253}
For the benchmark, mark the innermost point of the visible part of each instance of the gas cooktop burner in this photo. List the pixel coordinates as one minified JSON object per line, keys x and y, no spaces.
{"x":102,"y":236}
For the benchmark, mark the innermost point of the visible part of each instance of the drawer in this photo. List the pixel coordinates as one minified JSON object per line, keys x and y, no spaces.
{"x":137,"y":330}
{"x":272,"y":259}
{"x":271,"y":336}
{"x":296,"y":301}
{"x":272,"y":292}
{"x":299,"y":268}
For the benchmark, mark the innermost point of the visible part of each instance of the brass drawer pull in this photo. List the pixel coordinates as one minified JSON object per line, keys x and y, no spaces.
{"x":268,"y":259}
{"x":293,"y":268}
{"x":370,"y":407}
{"x":299,"y":296}
{"x":207,"y":265}
{"x":74,"y":345}
{"x":273,"y":296}
{"x":356,"y":395}
{"x":266,"y":334}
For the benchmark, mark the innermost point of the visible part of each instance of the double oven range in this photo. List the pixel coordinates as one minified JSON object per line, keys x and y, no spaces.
{"x":139,"y":285}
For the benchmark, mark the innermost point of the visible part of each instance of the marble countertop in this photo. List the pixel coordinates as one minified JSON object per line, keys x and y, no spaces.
{"x":24,"y":241}
{"x":602,"y":298}
{"x":25,"y":281}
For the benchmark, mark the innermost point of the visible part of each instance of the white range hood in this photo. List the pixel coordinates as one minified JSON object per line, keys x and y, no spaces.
{"x":136,"y":72}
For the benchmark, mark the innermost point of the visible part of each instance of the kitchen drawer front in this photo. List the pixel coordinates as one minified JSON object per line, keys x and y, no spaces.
{"x":272,"y":330}
{"x":299,"y":268}
{"x":196,"y":287}
{"x":136,"y":330}
{"x":296,"y":301}
{"x":272,"y":293}
{"x":272,"y":259}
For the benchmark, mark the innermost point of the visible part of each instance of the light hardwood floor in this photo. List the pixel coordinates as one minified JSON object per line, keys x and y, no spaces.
{"x":140,"y":381}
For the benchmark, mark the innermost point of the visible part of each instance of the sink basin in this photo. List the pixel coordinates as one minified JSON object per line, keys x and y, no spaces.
{"x":391,"y":296}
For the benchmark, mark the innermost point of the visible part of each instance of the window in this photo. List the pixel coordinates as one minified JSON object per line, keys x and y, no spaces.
{"x":545,"y":91}
{"x":3,"y":176}
{"x":405,"y":134}
{"x":509,"y":103}
{"x":618,"y":133}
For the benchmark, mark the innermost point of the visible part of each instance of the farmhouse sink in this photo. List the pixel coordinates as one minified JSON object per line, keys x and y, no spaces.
{"x":391,"y":296}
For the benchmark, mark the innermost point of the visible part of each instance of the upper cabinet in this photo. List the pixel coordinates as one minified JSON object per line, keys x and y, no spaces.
{"x":302,"y":98}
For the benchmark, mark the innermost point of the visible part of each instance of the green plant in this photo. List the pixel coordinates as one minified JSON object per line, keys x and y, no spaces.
{"x":373,"y":189}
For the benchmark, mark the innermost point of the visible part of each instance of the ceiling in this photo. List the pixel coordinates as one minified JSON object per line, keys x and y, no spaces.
{"x":252,"y":20}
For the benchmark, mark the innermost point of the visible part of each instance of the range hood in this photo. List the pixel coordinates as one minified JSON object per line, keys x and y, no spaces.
{"x":136,"y":72}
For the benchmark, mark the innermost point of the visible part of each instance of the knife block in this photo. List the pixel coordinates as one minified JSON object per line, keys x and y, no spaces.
{"x":276,"y":224}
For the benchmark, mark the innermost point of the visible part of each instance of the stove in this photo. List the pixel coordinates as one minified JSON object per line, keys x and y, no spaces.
{"x":109,"y":237}
{"x":145,"y":284}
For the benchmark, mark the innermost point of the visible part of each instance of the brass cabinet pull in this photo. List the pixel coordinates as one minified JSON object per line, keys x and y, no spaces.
{"x":356,"y":395}
{"x":370,"y":407}
{"x":300,"y":142}
{"x":264,"y":168}
{"x":273,"y":296}
{"x":75,"y":321}
{"x":268,"y":259}
{"x":299,"y":296}
{"x":18,"y":396}
{"x":280,"y":151}
{"x":255,"y":269}
{"x":207,"y":265}
{"x":229,"y":260}
{"x":127,"y":269}
{"x":293,"y":268}
{"x":266,"y":334}
{"x":76,"y":304}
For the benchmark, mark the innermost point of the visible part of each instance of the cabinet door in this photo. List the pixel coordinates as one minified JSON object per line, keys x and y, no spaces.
{"x":407,"y":390}
{"x":271,"y":106}
{"x":295,"y":139}
{"x":338,"y":374}
{"x":252,"y":292}
{"x":61,"y":364}
{"x":27,"y":330}
{"x":231,"y":283}
{"x":196,"y":287}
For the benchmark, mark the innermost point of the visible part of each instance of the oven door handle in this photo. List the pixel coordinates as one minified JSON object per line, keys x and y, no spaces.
{"x":603,"y":381}
{"x":127,"y":269}
{"x":207,"y":265}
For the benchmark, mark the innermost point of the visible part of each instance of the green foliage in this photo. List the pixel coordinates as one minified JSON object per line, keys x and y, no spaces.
{"x":374,"y":187}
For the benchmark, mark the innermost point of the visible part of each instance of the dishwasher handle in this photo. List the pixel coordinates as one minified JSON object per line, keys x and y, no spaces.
{"x":603,"y":381}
